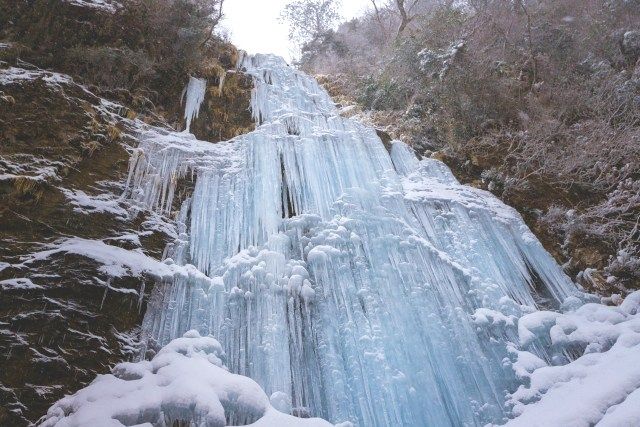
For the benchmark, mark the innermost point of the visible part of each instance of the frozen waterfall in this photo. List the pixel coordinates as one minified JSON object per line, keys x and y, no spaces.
{"x":350,"y":283}
{"x":343,"y":276}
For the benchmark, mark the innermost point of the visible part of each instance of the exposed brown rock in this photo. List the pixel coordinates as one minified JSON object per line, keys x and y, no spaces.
{"x":225,"y":111}
{"x":57,"y":337}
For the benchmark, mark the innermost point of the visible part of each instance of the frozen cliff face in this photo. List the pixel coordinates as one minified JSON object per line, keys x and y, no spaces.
{"x":352,"y":283}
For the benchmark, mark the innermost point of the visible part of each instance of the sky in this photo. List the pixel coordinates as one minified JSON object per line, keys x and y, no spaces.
{"x":253,"y":25}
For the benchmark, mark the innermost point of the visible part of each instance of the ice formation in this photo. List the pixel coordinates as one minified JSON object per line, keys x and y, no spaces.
{"x":193,"y":96}
{"x":323,"y":246}
{"x":353,"y":283}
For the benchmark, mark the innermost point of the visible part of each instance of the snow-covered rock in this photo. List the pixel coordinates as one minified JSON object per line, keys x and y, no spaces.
{"x":601,"y":387}
{"x":631,"y":44}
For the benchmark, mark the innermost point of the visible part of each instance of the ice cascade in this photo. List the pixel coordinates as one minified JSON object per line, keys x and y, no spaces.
{"x":346,"y":276}
{"x":351,"y":281}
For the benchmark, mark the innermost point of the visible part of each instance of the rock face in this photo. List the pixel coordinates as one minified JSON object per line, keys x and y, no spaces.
{"x":228,"y":92}
{"x":631,"y":44}
{"x":62,"y":319}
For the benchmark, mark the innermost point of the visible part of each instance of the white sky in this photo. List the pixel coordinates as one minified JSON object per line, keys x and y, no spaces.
{"x":253,"y":24}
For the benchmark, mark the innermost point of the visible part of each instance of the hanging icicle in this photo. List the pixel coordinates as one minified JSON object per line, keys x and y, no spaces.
{"x":193,"y":96}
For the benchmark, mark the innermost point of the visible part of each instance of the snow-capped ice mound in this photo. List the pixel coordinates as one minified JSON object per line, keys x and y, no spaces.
{"x":186,"y":381}
{"x":602,"y":387}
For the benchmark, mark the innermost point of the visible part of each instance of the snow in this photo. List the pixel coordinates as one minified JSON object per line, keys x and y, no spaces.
{"x":101,"y":203}
{"x":104,"y":5}
{"x":602,"y":386}
{"x":14,"y":75}
{"x":22,"y":283}
{"x":626,"y":413}
{"x":29,"y":167}
{"x":186,"y":380}
{"x":116,"y":261}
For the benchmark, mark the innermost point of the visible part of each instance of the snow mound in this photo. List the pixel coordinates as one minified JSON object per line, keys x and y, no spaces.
{"x":602,"y":387}
{"x":185,"y":381}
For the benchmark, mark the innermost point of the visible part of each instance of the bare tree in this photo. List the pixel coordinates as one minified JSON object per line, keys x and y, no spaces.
{"x":216,"y":16}
{"x":378,"y":16}
{"x":405,"y":9}
{"x":309,"y":19}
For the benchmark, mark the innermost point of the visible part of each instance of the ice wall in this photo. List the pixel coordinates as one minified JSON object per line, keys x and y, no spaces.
{"x":344,"y":279}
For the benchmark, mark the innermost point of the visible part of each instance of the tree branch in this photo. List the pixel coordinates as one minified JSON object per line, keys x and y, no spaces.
{"x":214,"y":23}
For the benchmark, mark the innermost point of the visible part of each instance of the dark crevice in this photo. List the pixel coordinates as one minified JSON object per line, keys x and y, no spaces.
{"x":539,"y":289}
{"x":385,"y":138}
{"x":287,"y":206}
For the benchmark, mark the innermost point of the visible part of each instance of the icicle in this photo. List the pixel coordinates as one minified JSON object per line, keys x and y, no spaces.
{"x":194,"y":94}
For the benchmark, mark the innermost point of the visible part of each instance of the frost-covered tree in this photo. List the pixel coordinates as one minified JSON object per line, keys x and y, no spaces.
{"x":310,"y":19}
{"x":402,"y":12}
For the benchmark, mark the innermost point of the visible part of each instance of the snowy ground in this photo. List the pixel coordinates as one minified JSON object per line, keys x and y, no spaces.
{"x":602,"y":387}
